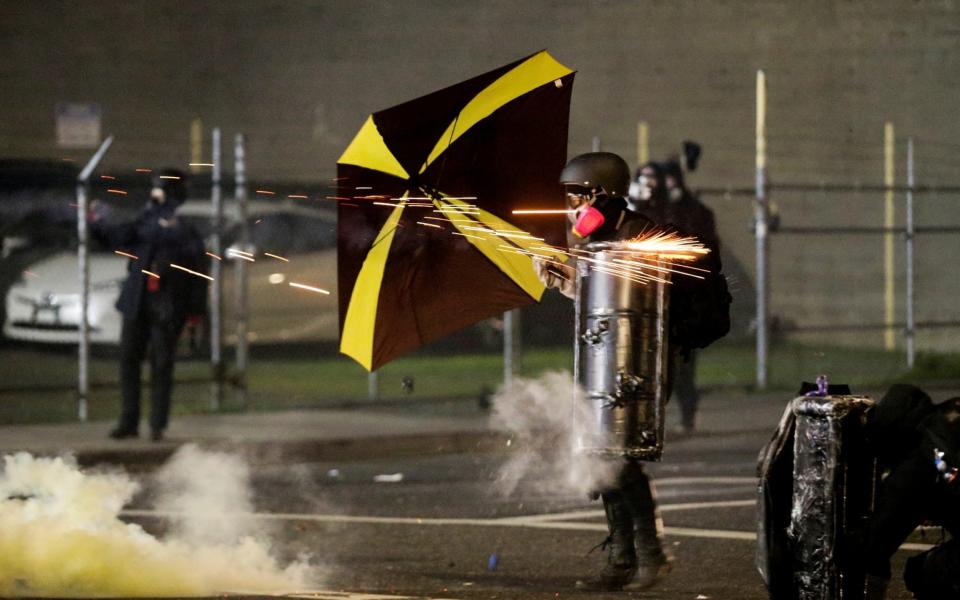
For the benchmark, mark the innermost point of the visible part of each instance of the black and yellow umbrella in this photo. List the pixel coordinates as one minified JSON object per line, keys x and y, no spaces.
{"x":426,"y":241}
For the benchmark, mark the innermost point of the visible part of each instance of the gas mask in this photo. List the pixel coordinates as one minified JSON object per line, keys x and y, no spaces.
{"x":585,"y":217}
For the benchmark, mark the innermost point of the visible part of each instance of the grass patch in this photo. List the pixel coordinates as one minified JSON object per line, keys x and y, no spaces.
{"x":40,"y":384}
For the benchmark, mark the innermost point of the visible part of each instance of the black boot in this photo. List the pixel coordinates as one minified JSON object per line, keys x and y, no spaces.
{"x":121,"y":433}
{"x":652,"y":562}
{"x":622,"y":560}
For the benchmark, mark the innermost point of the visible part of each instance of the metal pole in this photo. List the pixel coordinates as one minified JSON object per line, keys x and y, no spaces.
{"x":760,"y":231}
{"x":196,"y":144}
{"x":373,"y":386}
{"x":911,"y":324}
{"x":643,"y":143}
{"x":242,"y":287}
{"x":511,"y":345}
{"x":83,"y":266}
{"x":216,"y":288}
{"x":888,"y":264}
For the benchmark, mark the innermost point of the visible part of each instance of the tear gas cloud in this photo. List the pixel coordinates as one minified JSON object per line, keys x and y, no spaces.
{"x":540,"y":415}
{"x":61,"y":533}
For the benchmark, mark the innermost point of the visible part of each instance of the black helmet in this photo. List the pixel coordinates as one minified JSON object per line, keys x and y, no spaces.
{"x":598,"y":170}
{"x":173,"y":182}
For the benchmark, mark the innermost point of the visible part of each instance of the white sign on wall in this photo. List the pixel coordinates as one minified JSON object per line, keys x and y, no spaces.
{"x":78,"y":125}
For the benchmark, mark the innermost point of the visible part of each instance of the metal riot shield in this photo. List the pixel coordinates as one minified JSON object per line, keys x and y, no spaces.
{"x":834,"y":485}
{"x":620,"y":357}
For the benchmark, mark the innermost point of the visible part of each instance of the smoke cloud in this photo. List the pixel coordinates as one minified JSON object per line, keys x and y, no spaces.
{"x":542,"y":414}
{"x":61,"y":533}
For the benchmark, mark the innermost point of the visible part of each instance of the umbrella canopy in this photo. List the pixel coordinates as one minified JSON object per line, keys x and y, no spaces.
{"x":426,"y":240}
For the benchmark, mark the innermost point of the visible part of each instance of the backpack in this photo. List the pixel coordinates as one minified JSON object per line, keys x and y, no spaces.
{"x":699,"y":310}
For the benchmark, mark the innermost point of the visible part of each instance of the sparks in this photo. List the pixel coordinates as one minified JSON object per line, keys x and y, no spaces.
{"x":169,"y":177}
{"x":201,"y":164}
{"x":467,"y":235}
{"x":241,"y":255}
{"x":668,"y":245}
{"x":266,"y":192}
{"x":116,"y":191}
{"x":128,"y":255}
{"x":110,"y":177}
{"x":212,"y":255}
{"x":144,"y":170}
{"x":429,"y":224}
{"x":207,"y":277}
{"x":150,"y":273}
{"x":542,"y":212}
{"x":30,"y":273}
{"x":297,"y":196}
{"x":276,"y":257}
{"x":309,"y":288}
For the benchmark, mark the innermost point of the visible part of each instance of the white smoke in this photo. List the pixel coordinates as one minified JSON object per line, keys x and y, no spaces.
{"x":542,"y":415}
{"x":61,"y":532}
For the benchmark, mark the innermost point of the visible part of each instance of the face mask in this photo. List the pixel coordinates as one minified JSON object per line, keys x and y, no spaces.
{"x":588,"y":220}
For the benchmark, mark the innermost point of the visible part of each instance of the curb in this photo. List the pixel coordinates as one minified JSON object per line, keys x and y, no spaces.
{"x":280,"y":452}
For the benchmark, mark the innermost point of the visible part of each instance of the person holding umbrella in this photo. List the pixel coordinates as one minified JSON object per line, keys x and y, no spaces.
{"x":595,"y":184}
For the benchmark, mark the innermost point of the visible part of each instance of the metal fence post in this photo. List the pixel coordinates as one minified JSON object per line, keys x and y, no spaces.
{"x":511,"y":345}
{"x":760,"y":232}
{"x":83,"y":266}
{"x":242,"y":287}
{"x":373,"y":386}
{"x":911,"y":325}
{"x":216,"y":288}
{"x":889,"y":341}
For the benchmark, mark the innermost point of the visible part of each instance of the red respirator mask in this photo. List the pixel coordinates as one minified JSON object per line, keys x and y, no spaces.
{"x":588,"y":220}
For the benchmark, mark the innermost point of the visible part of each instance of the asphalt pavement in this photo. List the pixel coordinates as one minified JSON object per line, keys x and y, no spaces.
{"x":402,"y":501}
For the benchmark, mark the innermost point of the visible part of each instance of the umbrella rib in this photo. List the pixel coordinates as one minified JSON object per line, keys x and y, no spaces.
{"x":385,"y":234}
{"x":443,"y":163}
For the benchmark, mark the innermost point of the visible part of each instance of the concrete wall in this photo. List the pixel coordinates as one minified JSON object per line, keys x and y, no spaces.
{"x":300,"y":77}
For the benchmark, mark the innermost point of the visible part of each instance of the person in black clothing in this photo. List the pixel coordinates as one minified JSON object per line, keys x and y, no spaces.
{"x":660,"y":194}
{"x":157,"y":299}
{"x":636,"y":559}
{"x":917,"y":445}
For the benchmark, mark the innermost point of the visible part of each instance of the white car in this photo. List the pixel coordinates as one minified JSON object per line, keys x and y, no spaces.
{"x":44,"y":306}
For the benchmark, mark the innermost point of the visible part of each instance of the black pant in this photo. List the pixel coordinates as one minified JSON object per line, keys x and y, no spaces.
{"x":634,"y":493}
{"x":935,"y":574}
{"x":152,"y":327}
{"x":685,"y":388}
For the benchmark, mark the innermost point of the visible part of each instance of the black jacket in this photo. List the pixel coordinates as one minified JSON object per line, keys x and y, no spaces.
{"x":699,"y":308}
{"x":158,"y":245}
{"x":904,"y":430}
